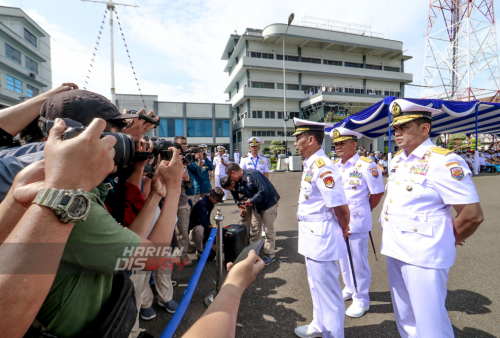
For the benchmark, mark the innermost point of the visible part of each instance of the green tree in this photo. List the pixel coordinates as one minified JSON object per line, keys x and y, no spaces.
{"x":275,"y":145}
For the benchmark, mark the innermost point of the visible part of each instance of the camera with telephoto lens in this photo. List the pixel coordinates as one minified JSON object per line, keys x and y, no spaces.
{"x":125,"y":153}
{"x":160,"y":147}
{"x":242,"y":201}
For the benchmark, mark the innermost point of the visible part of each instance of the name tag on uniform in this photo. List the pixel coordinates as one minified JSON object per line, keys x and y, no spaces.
{"x":354,"y":182}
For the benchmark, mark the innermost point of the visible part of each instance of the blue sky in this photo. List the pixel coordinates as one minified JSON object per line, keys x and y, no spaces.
{"x":176,"y":45}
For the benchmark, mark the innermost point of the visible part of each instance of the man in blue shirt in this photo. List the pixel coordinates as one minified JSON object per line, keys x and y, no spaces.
{"x":201,"y":172}
{"x":263,"y":198}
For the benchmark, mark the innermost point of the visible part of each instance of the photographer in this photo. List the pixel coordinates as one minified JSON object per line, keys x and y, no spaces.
{"x":66,"y":167}
{"x":201,"y":171}
{"x":98,"y":245}
{"x":262,"y":202}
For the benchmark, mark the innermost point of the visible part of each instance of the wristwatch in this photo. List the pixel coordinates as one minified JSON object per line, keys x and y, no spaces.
{"x":70,"y":206}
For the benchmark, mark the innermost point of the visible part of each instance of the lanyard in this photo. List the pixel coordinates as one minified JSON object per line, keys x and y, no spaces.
{"x":256,"y":161}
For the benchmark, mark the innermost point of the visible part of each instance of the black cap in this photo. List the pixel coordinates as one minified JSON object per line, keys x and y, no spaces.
{"x":81,"y":106}
{"x":217,"y":193}
{"x":225,"y":182}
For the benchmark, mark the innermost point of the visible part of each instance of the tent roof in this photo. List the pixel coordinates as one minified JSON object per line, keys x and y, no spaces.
{"x":456,"y":117}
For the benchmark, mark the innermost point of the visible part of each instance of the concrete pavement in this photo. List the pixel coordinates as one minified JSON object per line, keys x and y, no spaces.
{"x":279,"y":300}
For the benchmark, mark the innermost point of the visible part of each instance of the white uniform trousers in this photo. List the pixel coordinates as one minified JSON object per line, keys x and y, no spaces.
{"x":217,"y":183}
{"x":359,"y":252}
{"x":328,"y":304}
{"x":418,"y":297}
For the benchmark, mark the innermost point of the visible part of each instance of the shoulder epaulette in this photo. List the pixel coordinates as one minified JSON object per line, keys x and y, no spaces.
{"x":442,"y":151}
{"x":366,"y":159}
{"x":338,"y":159}
{"x":399,"y":152}
{"x":320,"y":163}
{"x":245,"y":156}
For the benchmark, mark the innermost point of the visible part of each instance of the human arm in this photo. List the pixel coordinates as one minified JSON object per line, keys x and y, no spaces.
{"x":23,"y":293}
{"x":16,"y":118}
{"x":136,"y":177}
{"x":219,"y":321}
{"x":375,"y":200}
{"x":259,"y":185}
{"x":469,"y":217}
{"x":343,"y":216}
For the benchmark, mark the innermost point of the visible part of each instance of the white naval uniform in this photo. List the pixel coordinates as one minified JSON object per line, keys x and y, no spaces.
{"x":418,"y":237}
{"x":259,"y":163}
{"x":360,"y":177}
{"x":321,"y":241}
{"x":220,"y":171}
{"x":236,"y":157}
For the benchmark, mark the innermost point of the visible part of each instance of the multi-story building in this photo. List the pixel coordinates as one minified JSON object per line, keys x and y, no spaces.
{"x":25,"y":67}
{"x":329,"y":75}
{"x":200,"y":123}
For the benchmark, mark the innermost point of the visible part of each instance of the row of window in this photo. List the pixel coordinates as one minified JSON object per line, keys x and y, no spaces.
{"x":270,"y":133}
{"x":195,"y":128}
{"x":15,"y":55}
{"x":308,"y":89}
{"x":17,"y":86}
{"x":269,"y":114}
{"x":325,"y":62}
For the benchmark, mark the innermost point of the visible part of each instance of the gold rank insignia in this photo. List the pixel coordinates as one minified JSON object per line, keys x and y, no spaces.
{"x":366,"y":159}
{"x":320,"y":163}
{"x":396,"y":109}
{"x":399,"y":152}
{"x":338,"y":159}
{"x":442,"y":151}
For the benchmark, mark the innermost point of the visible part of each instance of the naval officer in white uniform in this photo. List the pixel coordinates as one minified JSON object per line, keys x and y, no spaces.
{"x":419,"y":232}
{"x":323,"y":217}
{"x":220,"y":162}
{"x":364,"y":188}
{"x":253,"y":160}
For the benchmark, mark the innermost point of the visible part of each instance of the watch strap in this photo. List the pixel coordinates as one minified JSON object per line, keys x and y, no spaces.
{"x":60,"y":200}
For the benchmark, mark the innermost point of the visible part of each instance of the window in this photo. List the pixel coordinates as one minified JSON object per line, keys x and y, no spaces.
{"x":293,"y":114}
{"x":310,"y":60}
{"x":261,"y":55}
{"x":234,"y":137}
{"x":391,"y":92}
{"x":199,"y":128}
{"x":353,"y":64}
{"x":281,"y":133}
{"x":287,"y":57}
{"x":31,"y":65}
{"x":239,"y":136}
{"x":376,"y":67}
{"x":332,"y":63}
{"x":267,"y":85}
{"x":392,"y":69}
{"x":222,"y":128}
{"x":31,"y":91}
{"x":266,"y":133}
{"x":289,"y":86}
{"x":171,"y":127}
{"x":257,"y":114}
{"x":12,"y":54}
{"x":280,"y":115}
{"x":269,"y":115}
{"x":29,"y":37}
{"x":14,"y":84}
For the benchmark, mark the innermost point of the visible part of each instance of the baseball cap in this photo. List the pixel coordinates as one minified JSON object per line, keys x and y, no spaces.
{"x":82,"y":106}
{"x":217,"y":193}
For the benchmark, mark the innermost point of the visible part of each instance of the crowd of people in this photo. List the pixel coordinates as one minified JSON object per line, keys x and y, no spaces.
{"x":84,"y":180}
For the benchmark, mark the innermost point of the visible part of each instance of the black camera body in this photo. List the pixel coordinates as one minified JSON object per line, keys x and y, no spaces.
{"x":160,"y":147}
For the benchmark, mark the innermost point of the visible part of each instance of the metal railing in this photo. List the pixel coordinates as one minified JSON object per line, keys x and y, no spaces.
{"x":366,"y":90}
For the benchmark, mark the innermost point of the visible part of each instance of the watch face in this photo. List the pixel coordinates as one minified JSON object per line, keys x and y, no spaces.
{"x":78,"y":206}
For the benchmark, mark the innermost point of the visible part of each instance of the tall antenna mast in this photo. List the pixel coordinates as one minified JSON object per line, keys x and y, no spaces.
{"x":461,"y":57}
{"x":111,"y":7}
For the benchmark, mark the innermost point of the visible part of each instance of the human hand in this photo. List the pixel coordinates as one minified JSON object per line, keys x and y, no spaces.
{"x":28,"y":183}
{"x":138,"y":127}
{"x":244,"y":273}
{"x":185,"y":176}
{"x":248,"y":203}
{"x":79,"y":163}
{"x":157,"y":185}
{"x":59,"y":89}
{"x":141,"y":146}
{"x":345,"y":232}
{"x":171,"y":171}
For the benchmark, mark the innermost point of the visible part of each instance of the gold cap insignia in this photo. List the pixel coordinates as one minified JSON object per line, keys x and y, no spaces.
{"x":336,"y":134}
{"x":396,"y":109}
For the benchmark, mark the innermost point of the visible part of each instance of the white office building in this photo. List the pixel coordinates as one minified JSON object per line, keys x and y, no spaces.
{"x":25,"y":67}
{"x":329,"y":74}
{"x":200,"y":123}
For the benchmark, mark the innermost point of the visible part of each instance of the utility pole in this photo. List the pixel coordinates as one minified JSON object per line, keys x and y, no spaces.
{"x":111,"y":9}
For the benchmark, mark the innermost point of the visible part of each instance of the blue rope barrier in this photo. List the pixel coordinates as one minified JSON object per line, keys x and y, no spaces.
{"x":181,"y":309}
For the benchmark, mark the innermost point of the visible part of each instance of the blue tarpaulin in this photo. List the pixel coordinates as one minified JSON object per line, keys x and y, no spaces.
{"x":457,"y":117}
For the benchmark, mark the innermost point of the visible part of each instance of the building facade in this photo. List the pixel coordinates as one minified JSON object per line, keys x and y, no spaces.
{"x":25,"y":67}
{"x":329,"y":75}
{"x":200,"y":123}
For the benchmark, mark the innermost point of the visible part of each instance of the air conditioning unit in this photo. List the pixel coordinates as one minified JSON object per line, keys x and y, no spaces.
{"x":33,"y":76}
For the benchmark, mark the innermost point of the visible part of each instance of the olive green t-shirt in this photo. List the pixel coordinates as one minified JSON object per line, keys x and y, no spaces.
{"x":83,"y":282}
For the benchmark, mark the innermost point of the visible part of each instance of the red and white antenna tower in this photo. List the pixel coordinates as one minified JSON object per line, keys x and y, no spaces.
{"x":461,"y":57}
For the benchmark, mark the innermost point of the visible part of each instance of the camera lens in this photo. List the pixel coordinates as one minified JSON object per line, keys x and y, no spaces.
{"x":124,"y":148}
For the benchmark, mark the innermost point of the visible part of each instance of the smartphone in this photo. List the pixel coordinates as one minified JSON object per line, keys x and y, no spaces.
{"x":244,"y":253}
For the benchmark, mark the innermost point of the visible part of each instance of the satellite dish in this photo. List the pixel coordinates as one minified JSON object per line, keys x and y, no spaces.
{"x":287,"y":160}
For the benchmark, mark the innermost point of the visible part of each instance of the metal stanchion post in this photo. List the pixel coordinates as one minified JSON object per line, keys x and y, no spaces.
{"x":218,"y":258}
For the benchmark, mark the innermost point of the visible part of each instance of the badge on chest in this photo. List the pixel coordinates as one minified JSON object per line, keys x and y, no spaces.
{"x":355,"y":173}
{"x":419,"y":169}
{"x":308,"y":177}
